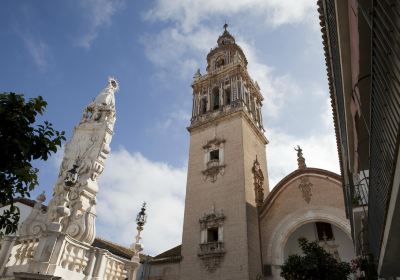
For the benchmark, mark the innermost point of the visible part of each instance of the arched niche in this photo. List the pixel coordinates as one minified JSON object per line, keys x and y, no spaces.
{"x":275,"y":253}
{"x":329,"y":236}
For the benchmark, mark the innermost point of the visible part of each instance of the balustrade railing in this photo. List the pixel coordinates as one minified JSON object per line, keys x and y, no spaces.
{"x":211,"y":248}
{"x":75,"y":257}
{"x":23,"y":252}
{"x":115,"y":269}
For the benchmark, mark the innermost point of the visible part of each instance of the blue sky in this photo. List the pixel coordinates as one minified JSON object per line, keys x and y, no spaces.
{"x":65,"y":51}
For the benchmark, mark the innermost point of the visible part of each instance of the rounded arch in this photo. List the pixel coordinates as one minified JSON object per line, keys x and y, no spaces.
{"x":282,"y":232}
{"x":285,"y":182}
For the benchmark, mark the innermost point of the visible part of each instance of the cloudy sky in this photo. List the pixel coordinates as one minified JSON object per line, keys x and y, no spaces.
{"x":65,"y":51}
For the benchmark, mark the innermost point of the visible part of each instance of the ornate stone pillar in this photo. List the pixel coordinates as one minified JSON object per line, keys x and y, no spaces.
{"x":84,"y":158}
{"x":100,"y":265}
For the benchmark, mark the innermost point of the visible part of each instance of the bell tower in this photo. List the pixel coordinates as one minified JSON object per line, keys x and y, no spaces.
{"x":227,"y":170}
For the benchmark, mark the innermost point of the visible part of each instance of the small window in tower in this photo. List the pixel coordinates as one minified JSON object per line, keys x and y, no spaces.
{"x":212,"y":234}
{"x":219,"y":62}
{"x":203,"y":105}
{"x":324,"y":231}
{"x":227,"y":96}
{"x":214,"y":155}
{"x":215,"y":99}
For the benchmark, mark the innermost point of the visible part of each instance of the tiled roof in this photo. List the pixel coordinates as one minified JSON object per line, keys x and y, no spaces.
{"x":325,"y":42}
{"x":114,"y":248}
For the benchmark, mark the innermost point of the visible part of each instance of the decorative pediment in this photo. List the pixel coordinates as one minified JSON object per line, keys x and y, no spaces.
{"x":213,"y":170}
{"x":215,"y":218}
{"x":214,"y":143}
{"x":211,"y":249}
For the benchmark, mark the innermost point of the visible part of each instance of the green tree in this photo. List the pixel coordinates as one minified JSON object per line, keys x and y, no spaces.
{"x":21,"y":142}
{"x":314,"y":264}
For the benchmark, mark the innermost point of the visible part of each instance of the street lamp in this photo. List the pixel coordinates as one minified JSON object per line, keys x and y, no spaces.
{"x":140,"y":222}
{"x":141,"y":217}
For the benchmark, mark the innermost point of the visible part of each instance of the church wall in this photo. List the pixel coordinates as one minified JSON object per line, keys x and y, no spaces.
{"x":289,"y":205}
{"x":226,"y":193}
{"x":163,"y":271}
{"x":253,"y":147}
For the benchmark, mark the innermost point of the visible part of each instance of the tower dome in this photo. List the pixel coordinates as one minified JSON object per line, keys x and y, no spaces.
{"x":226,"y":37}
{"x":226,"y":52}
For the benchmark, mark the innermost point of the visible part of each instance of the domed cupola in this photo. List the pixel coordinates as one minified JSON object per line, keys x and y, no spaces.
{"x":225,"y":53}
{"x":226,"y":38}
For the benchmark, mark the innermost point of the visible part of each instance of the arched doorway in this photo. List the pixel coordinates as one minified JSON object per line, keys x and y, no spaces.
{"x":333,"y":239}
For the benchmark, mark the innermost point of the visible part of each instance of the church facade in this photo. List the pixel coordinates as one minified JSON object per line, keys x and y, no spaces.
{"x":234,"y":228}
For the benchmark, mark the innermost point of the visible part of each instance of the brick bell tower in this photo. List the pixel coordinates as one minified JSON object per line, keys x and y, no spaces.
{"x":227,"y":170}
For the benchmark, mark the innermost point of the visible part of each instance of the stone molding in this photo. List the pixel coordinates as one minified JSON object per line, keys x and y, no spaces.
{"x":289,"y":224}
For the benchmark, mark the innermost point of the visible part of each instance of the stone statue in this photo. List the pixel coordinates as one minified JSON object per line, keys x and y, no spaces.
{"x":299,"y":151}
{"x":300,"y":159}
{"x":103,"y":106}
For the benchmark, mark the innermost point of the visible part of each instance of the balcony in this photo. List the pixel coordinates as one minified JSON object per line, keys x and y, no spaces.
{"x":211,"y":250}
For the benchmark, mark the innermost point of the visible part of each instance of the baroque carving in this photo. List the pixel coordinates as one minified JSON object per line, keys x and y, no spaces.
{"x":213,"y":170}
{"x":214,"y":166}
{"x":258,"y":177}
{"x":214,"y":142}
{"x":72,"y":208}
{"x":211,"y":252}
{"x":305,"y":188}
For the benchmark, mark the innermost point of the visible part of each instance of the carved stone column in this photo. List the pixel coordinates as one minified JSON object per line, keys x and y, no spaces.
{"x":84,"y":158}
{"x":73,"y":206}
{"x":6,"y":246}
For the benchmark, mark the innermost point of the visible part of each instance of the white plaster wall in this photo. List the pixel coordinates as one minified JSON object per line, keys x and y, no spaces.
{"x":345,"y":249}
{"x":292,"y":246}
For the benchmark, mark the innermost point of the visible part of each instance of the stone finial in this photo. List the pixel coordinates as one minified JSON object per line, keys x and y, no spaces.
{"x":300,"y":159}
{"x":41,"y":197}
{"x":197,"y":75}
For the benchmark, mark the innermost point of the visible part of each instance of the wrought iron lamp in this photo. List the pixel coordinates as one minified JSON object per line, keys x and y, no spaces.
{"x":71,"y":176}
{"x":141,"y":219}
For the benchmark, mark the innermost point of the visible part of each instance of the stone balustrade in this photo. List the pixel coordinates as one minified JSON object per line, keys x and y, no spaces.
{"x":115,"y":269}
{"x":22,"y":252}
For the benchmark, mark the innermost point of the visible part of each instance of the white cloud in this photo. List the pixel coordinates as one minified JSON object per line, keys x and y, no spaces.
{"x":99,"y":13}
{"x":278,"y":89}
{"x":173,"y":51}
{"x":176,"y":119}
{"x":128,"y":180}
{"x":327,"y":116}
{"x":318,"y":150}
{"x":38,"y":50}
{"x":189,"y":13}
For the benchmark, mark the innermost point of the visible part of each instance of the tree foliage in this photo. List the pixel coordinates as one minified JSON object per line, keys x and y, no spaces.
{"x":21,"y":142}
{"x":314,"y":264}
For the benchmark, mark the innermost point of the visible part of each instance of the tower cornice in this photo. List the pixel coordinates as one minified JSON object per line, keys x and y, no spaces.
{"x":231,"y":114}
